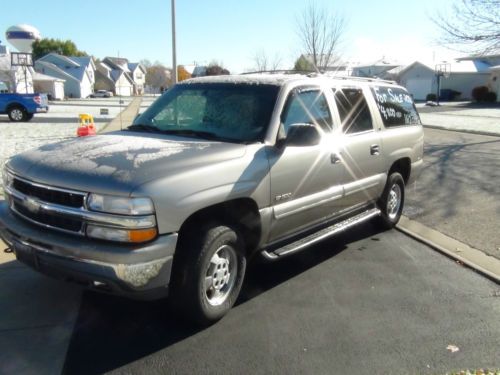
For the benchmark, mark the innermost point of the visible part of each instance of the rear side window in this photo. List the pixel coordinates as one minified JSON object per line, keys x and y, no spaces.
{"x":395,"y":106}
{"x":353,"y":110}
{"x":307,"y":106}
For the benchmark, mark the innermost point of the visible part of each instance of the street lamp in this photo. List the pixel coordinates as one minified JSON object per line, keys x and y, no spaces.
{"x":174,"y":56}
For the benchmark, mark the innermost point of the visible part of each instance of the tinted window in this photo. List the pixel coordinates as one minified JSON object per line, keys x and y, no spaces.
{"x":353,"y":110}
{"x":307,"y":106}
{"x":395,"y":106}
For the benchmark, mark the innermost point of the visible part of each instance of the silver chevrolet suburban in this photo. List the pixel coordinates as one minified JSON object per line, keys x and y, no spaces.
{"x":217,"y":170}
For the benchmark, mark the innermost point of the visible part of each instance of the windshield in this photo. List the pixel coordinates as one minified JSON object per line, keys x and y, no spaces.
{"x":227,"y":112}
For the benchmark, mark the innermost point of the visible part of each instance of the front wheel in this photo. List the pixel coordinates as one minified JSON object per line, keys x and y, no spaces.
{"x":392,"y":200}
{"x":208,"y":273}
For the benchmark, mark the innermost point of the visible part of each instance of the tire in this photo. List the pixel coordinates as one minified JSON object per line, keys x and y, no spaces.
{"x":17,"y":114}
{"x":392,"y":201}
{"x":208,"y":273}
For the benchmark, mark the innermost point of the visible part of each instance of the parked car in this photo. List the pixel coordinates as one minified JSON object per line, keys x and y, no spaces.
{"x":101,"y":94}
{"x":22,"y":107}
{"x":218,"y":170}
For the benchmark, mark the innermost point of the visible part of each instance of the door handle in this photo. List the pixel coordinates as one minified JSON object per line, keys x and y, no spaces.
{"x":335,"y":159}
{"x":374,"y":150}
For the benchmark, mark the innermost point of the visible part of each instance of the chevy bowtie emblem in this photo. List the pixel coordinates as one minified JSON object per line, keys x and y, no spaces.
{"x":31,"y":205}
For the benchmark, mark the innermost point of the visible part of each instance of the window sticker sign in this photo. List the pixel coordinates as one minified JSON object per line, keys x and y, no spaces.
{"x":395,"y":106}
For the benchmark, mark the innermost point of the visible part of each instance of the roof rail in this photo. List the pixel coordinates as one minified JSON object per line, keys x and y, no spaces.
{"x":283,"y":71}
{"x":308,"y":73}
{"x":365,"y":79}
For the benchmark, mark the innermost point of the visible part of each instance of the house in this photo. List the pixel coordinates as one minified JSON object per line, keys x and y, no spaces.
{"x":52,"y":86}
{"x":494,"y":81}
{"x":138,"y":74}
{"x":420,"y":79}
{"x":117,"y":74}
{"x":374,"y":69}
{"x":18,"y":79}
{"x":335,"y":67}
{"x":493,"y":61}
{"x":77,"y":72}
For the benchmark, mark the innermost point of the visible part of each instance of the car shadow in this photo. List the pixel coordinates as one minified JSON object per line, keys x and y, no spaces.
{"x":111,"y":332}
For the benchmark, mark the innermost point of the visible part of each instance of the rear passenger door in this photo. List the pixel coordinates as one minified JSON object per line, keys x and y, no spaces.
{"x":360,"y":148}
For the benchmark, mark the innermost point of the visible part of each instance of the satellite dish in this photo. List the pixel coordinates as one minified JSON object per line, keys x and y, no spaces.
{"x":22,"y":36}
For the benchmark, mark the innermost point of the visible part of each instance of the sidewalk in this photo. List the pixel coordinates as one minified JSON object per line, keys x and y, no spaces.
{"x":125,"y":117}
{"x":485,"y":121}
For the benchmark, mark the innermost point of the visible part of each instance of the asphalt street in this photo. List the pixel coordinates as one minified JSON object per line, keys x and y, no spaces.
{"x":457,"y":192}
{"x":365,"y":302}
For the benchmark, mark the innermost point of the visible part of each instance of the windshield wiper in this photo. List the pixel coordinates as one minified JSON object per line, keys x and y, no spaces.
{"x":143,"y":127}
{"x":200,"y":134}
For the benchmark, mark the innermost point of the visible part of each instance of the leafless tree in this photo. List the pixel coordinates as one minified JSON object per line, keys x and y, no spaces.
{"x":262,"y":62}
{"x":321,"y":33}
{"x":471,"y":26}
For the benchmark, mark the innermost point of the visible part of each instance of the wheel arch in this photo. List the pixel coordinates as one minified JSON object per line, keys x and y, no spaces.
{"x":242,"y":213}
{"x":403,"y":167}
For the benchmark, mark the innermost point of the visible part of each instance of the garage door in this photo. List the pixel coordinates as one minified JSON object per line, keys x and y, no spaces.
{"x":124,"y":90}
{"x":419,"y":87}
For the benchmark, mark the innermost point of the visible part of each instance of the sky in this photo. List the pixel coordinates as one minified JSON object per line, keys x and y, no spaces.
{"x":232,"y":32}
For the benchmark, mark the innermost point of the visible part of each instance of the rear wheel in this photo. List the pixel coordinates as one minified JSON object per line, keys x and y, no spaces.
{"x":208,"y":273}
{"x":392,"y":201}
{"x":17,"y":114}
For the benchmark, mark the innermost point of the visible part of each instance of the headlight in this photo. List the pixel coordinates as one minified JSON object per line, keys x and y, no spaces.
{"x":7,"y":178}
{"x":120,"y":205}
{"x":121,"y":235}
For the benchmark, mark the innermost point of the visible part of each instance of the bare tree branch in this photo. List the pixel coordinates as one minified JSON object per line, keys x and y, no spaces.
{"x":471,"y":26}
{"x":321,"y":34}
{"x":262,"y":62}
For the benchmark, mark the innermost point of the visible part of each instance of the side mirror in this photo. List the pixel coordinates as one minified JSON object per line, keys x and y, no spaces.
{"x":302,"y":135}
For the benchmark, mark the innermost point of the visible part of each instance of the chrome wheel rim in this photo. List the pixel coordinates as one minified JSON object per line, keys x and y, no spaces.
{"x":394,"y":201}
{"x":16,"y":114}
{"x":220,"y":275}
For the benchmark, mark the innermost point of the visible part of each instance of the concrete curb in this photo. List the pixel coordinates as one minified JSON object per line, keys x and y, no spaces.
{"x":473,"y":258}
{"x":478,"y":132}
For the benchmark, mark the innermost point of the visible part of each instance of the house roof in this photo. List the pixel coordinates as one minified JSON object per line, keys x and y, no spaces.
{"x":39,"y":65}
{"x":64,"y":59}
{"x":495,"y":68}
{"x":117,"y":63}
{"x":476,"y":57}
{"x":380,"y":62}
{"x":44,"y":77}
{"x":117,"y":73}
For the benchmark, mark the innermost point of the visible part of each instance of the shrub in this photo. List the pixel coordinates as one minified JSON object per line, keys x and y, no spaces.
{"x":431,"y":98}
{"x":491,"y":97}
{"x":480,"y":93}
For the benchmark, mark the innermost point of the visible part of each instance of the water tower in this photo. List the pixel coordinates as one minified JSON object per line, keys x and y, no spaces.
{"x":22,"y":36}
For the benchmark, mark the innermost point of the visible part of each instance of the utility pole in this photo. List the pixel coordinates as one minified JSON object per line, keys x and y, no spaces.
{"x":174,"y":53}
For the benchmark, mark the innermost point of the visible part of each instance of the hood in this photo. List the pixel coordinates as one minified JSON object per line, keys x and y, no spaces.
{"x":117,"y":163}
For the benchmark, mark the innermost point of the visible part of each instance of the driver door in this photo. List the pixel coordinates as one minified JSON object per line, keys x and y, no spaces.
{"x":305,"y":180}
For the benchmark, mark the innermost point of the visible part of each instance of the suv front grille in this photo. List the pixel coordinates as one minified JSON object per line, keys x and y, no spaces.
{"x":49,"y":219}
{"x":49,"y":195}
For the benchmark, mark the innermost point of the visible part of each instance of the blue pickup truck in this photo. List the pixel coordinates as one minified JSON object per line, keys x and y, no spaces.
{"x":22,"y":107}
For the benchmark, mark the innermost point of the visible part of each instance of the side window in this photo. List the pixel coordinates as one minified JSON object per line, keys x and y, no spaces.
{"x":395,"y":106}
{"x":307,"y":106}
{"x":353,"y":110}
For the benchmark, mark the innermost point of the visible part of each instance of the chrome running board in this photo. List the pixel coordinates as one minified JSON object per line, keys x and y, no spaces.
{"x":304,"y":242}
